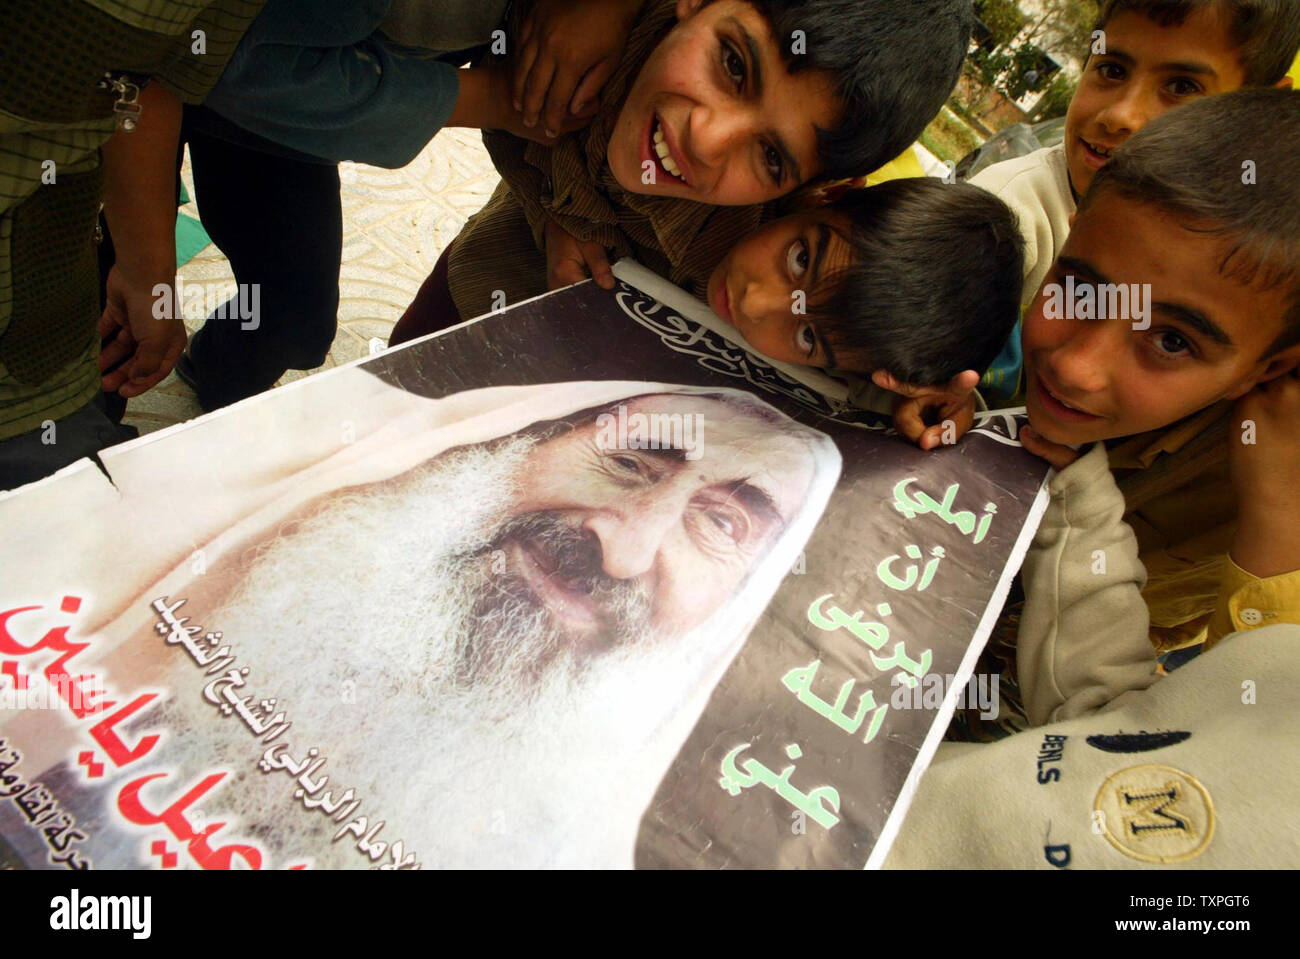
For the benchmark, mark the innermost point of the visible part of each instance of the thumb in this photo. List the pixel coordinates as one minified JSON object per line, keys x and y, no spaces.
{"x":964,"y":382}
{"x":585,"y":96}
{"x":598,"y":265}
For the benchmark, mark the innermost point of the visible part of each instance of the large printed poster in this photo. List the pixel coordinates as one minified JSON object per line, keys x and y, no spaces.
{"x":580,"y":583}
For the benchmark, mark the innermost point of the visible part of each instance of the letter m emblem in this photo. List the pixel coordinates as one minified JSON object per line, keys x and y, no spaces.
{"x":1153,"y":811}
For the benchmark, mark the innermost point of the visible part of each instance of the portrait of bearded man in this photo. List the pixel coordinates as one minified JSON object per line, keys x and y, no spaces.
{"x":495,"y":614}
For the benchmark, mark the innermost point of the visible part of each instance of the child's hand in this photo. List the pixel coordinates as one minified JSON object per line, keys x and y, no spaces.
{"x":483,"y":103}
{"x":140,"y":348}
{"x":570,"y":260}
{"x":1264,"y":460}
{"x":927,"y":415}
{"x":566,"y":53}
{"x":1057,"y":455}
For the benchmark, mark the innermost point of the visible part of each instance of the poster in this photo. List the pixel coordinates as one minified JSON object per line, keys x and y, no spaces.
{"x":580,"y":583}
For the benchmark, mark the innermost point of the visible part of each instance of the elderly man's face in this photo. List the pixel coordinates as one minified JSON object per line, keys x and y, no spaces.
{"x":682,"y":532}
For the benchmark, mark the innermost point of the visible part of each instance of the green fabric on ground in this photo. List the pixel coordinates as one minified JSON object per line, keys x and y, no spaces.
{"x":191,"y":238}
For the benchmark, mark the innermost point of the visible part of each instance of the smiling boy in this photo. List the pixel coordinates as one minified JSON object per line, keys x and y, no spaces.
{"x":1211,"y":225}
{"x":717,"y":109}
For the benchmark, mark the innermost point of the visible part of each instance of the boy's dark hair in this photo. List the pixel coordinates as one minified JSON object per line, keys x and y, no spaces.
{"x":1267,"y":32}
{"x":934,"y":288}
{"x":895,"y":62}
{"x":1227,"y":166}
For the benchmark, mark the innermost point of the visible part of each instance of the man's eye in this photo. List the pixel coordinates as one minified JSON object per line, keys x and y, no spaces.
{"x":627,"y":464}
{"x":1182,"y":87}
{"x":775,"y":167}
{"x":796,"y":259}
{"x":1110,"y":71}
{"x":724,"y":523}
{"x":734,"y":64}
{"x":807,"y":339}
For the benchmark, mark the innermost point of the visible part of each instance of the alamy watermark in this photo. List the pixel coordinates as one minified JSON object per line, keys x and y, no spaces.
{"x":979,"y":692}
{"x":62,"y":692}
{"x":1072,"y":300}
{"x":199,"y":300}
{"x":651,"y":431}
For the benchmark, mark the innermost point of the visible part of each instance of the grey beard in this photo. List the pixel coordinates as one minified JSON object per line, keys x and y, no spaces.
{"x":507,"y":604}
{"x":442,"y":692}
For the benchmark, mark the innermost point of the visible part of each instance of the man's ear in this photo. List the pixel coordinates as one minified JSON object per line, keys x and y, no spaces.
{"x":1284,"y":84}
{"x":1280,"y":364}
{"x":688,"y":8}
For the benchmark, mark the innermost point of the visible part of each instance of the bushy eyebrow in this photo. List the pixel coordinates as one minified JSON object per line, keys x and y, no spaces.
{"x":671,"y":455}
{"x":1178,"y":66}
{"x":823,"y":239}
{"x":758,"y":501}
{"x":1195,"y":319}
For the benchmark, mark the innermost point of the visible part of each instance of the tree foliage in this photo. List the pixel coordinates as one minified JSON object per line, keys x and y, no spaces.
{"x":1011,"y":62}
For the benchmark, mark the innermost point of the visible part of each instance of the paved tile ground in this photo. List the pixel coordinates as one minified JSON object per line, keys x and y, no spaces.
{"x":395,"y":224}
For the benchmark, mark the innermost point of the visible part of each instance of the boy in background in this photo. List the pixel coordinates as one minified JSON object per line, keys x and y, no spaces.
{"x":1152,"y":56}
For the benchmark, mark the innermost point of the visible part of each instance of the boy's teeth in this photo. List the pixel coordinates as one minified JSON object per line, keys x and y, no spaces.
{"x":661,"y":149}
{"x":1065,"y":404}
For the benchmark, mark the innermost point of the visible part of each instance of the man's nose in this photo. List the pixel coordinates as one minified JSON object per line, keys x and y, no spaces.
{"x":630,"y":540}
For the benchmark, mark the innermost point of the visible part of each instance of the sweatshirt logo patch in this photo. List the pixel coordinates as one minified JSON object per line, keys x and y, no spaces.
{"x":1136,"y":742}
{"x":1156,"y":814}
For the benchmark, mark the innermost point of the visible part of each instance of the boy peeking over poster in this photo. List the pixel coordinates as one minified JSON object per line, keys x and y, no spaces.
{"x":907,"y":287}
{"x":373,"y":82}
{"x":716,"y":110}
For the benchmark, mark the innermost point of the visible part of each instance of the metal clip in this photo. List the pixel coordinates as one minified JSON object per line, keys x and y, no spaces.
{"x":126,"y":108}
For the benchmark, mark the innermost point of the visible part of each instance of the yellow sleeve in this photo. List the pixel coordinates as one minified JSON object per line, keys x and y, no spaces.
{"x":1247,"y":602}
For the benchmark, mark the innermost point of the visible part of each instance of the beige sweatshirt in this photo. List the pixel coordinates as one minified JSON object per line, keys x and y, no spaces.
{"x":1037,"y":188}
{"x":1197,"y":772}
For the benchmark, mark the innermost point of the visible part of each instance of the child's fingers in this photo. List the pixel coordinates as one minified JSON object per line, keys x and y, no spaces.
{"x":156,"y":362}
{"x":566,"y":272}
{"x":536,"y":88}
{"x":112,"y":353}
{"x":909,"y":422}
{"x":886,"y":381}
{"x":964,"y":382}
{"x":1058,"y":456}
{"x":557,"y":101}
{"x":524,"y":61}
